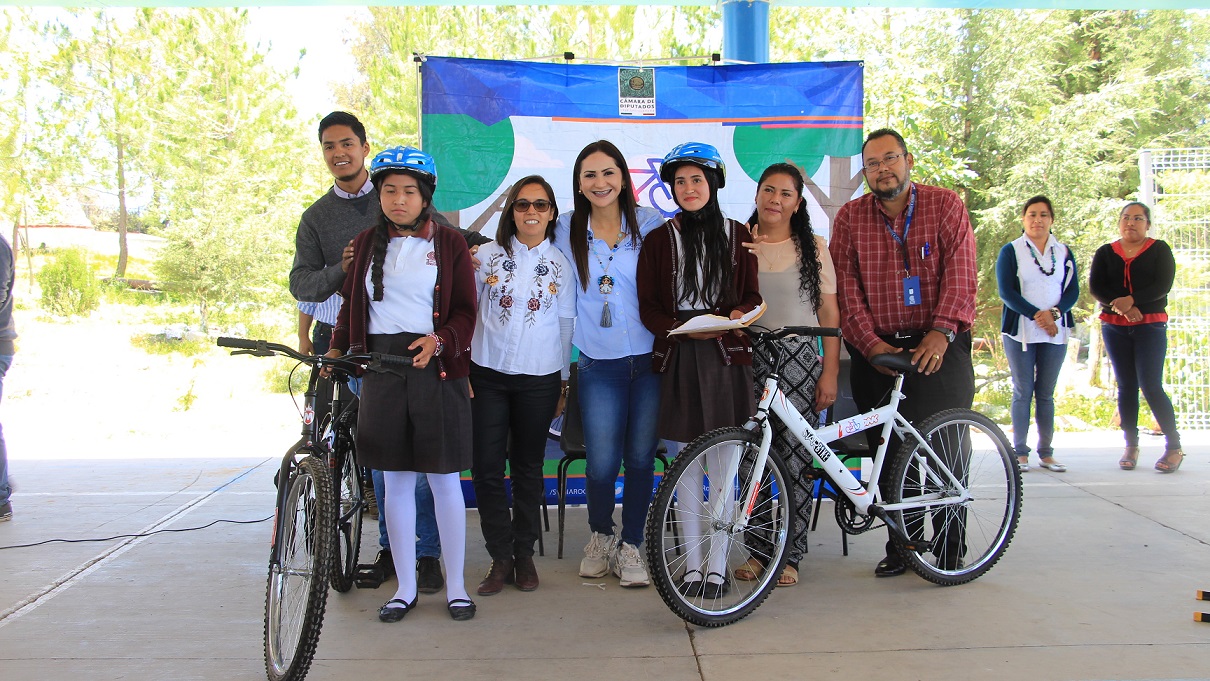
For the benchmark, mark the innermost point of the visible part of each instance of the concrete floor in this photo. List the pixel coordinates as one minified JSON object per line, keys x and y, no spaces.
{"x":1098,"y":584}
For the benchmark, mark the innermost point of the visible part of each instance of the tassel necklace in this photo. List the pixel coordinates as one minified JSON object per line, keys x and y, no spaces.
{"x":605,"y":282}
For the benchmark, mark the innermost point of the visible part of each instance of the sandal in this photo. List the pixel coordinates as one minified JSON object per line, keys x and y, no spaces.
{"x":461,"y":609}
{"x":1166,"y":465}
{"x":1129,"y":459}
{"x":1053,"y":466}
{"x":749,"y":571}
{"x":1023,"y":464}
{"x":789,"y":576}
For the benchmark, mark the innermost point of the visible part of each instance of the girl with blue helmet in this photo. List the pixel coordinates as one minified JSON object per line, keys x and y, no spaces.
{"x":411,"y":291}
{"x":696,"y":264}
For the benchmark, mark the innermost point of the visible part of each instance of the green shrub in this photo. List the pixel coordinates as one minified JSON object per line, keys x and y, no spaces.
{"x":69,"y":285}
{"x":282,"y":377}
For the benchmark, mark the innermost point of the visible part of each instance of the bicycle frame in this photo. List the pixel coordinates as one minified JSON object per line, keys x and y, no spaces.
{"x":865,"y":498}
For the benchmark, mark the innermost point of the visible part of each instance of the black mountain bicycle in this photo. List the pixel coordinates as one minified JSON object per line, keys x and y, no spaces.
{"x":317,"y":521}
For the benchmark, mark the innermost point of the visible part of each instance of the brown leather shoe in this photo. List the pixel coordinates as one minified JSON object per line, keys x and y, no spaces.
{"x":527,"y":573}
{"x":501,"y":573}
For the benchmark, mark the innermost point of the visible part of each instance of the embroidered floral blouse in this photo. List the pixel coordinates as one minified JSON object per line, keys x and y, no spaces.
{"x":521,"y":298}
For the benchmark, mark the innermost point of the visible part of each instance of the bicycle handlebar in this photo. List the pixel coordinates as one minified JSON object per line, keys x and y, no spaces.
{"x":794,"y":331}
{"x":375,"y":361}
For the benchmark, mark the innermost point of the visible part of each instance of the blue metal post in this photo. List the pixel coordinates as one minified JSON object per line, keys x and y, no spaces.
{"x":746,"y":30}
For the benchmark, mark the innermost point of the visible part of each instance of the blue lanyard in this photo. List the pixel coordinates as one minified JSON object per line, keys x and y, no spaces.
{"x":907,"y":224}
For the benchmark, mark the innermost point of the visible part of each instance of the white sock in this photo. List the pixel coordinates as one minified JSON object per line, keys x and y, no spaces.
{"x":694,"y":511}
{"x":451,"y":522}
{"x":399,"y":497}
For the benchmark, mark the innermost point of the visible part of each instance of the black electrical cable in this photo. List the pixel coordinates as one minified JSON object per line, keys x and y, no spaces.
{"x":137,"y":536}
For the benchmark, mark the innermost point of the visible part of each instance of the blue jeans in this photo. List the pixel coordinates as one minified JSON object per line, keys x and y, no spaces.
{"x":1035,"y":368}
{"x":5,"y":490}
{"x":1137,"y":354}
{"x":620,"y":406}
{"x":428,"y":539}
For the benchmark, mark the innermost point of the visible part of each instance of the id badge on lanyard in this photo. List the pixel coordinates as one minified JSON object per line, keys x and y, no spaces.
{"x":911,"y":282}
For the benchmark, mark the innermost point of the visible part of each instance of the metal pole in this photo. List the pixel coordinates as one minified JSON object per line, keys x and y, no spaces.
{"x":746,"y":30}
{"x":1146,"y":179}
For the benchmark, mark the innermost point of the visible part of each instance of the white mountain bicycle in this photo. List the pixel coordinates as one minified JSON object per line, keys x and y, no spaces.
{"x":952,"y":507}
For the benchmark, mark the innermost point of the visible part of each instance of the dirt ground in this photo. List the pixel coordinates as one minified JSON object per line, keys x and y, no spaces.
{"x":81,"y":390}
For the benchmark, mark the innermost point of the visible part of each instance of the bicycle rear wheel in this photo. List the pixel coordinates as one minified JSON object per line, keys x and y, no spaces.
{"x":347,"y":544}
{"x":966,"y":539}
{"x":688,"y":531}
{"x":297,"y":590}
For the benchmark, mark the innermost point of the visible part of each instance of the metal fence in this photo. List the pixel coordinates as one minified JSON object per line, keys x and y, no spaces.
{"x":1176,"y":182}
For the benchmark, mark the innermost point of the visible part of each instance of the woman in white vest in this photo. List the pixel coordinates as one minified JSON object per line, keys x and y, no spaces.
{"x":1038,"y":284}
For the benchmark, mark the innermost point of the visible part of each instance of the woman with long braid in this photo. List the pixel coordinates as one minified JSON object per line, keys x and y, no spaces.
{"x":412,"y":292}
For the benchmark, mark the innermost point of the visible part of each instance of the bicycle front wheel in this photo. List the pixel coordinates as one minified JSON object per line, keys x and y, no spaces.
{"x":710,"y":516}
{"x":347,"y":543}
{"x":963,"y":540}
{"x":298,"y":580}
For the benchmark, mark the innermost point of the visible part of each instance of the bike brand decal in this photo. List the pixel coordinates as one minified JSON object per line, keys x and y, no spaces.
{"x":821,"y":450}
{"x":309,"y":415}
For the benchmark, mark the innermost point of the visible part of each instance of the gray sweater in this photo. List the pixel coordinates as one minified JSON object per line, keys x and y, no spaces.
{"x":325,"y":229}
{"x":8,"y":330}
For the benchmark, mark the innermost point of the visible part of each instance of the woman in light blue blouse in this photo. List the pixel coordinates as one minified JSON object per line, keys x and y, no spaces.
{"x":619,"y":394}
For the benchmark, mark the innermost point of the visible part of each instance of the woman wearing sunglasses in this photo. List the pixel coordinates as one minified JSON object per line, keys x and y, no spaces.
{"x":520,"y":354}
{"x":619,"y":394}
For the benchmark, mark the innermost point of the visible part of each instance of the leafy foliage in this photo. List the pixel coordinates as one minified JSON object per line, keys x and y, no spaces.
{"x":69,"y":285}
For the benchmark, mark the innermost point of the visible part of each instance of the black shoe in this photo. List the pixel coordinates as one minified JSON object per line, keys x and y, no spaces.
{"x":712,"y":590}
{"x":461,"y":609}
{"x":690,"y":588}
{"x":891,"y":566}
{"x":388,"y":613}
{"x":428,"y":575}
{"x":372,"y":575}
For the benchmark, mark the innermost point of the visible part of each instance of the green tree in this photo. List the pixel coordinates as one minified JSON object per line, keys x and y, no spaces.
{"x":234,"y":167}
{"x":99,"y":125}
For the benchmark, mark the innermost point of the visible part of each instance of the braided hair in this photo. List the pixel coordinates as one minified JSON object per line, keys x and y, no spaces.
{"x":704,"y":241}
{"x":382,"y":226}
{"x":800,"y":231}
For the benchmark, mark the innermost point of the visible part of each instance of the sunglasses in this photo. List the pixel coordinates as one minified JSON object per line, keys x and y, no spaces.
{"x":523,"y":205}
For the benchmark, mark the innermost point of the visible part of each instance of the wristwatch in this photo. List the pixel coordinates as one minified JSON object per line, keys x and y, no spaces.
{"x":949,"y":335}
{"x":1054,"y":312}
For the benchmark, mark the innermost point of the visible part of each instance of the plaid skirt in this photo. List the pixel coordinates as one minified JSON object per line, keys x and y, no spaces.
{"x":410,"y":419}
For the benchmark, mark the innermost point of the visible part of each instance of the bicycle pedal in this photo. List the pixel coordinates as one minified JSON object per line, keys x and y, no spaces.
{"x":369,"y":576}
{"x":919,"y":547}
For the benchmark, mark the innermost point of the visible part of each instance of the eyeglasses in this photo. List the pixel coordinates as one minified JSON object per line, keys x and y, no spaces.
{"x":888,"y":161}
{"x":523,"y":205}
{"x":1136,"y":219}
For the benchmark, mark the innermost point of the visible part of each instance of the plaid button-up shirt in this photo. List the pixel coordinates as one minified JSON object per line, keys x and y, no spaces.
{"x":870,"y":274}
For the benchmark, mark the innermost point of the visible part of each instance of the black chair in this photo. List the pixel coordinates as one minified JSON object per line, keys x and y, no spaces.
{"x":571,"y":441}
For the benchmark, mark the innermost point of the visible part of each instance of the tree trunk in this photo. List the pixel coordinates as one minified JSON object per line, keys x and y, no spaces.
{"x":123,"y":217}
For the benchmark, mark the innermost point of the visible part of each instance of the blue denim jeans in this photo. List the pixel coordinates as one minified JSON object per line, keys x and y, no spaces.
{"x":1137,"y":354}
{"x":1035,"y":368}
{"x":620,"y":407}
{"x":428,"y":539}
{"x":5,"y":490}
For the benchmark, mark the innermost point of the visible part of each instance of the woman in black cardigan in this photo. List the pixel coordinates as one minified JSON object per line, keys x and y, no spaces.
{"x":1131,"y":279}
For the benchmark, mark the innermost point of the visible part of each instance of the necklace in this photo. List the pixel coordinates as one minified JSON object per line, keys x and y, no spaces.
{"x":783,"y":255}
{"x":605,"y":282}
{"x":1033,"y":254}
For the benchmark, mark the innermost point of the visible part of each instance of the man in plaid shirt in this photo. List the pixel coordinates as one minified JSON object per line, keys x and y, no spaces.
{"x":906,"y":280}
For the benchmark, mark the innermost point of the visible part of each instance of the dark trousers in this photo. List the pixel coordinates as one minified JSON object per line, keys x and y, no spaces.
{"x":952,"y":387}
{"x":1137,"y":354}
{"x":511,"y":417}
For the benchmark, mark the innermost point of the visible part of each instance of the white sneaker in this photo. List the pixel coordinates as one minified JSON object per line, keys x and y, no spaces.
{"x":628,"y":566}
{"x":596,"y":555}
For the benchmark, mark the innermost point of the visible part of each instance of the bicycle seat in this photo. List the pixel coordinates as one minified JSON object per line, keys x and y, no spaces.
{"x":899,"y":361}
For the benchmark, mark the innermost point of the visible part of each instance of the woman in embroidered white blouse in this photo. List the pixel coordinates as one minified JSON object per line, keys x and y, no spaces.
{"x":1039,"y":286}
{"x":520,"y":354}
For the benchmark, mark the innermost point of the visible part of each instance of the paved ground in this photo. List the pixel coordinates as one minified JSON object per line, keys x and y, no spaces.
{"x":1099,"y":584}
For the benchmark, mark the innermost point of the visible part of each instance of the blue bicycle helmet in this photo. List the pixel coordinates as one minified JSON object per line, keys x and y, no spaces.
{"x":410,"y":159}
{"x":697,"y":153}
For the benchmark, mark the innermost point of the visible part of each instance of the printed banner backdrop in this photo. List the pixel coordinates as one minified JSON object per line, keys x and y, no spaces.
{"x":490,"y":123}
